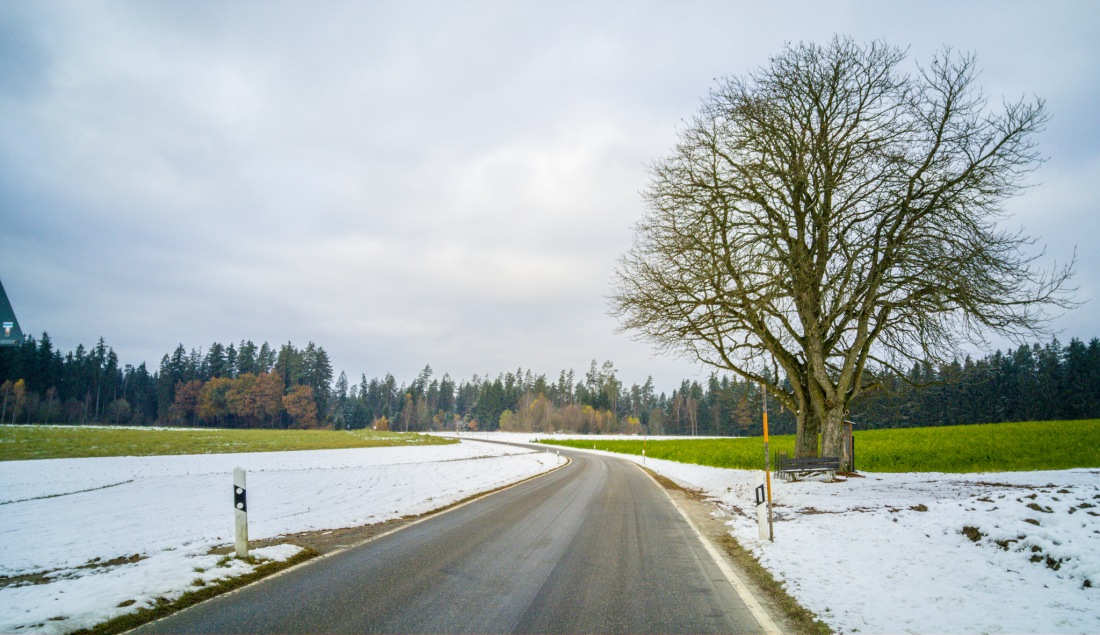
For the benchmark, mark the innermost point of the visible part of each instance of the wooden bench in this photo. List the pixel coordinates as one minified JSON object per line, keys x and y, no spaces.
{"x":791,"y":469}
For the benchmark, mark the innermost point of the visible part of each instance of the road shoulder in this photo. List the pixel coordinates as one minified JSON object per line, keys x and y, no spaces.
{"x":786,"y":614}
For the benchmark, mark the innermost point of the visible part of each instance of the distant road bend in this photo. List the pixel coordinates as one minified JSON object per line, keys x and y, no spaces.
{"x":595,"y":547}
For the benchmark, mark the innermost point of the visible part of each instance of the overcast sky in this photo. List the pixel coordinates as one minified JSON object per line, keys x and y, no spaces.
{"x":410,"y":183}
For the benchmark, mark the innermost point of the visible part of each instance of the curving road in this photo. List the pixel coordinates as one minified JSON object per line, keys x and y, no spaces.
{"x":595,"y":547}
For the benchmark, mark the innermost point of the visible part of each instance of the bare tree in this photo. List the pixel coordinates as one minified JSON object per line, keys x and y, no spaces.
{"x":830,"y":211}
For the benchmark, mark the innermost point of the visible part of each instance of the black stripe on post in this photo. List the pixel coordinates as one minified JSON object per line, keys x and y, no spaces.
{"x":239,"y":499}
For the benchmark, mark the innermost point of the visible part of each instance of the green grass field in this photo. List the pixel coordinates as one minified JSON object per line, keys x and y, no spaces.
{"x":998,"y":447}
{"x":56,"y":442}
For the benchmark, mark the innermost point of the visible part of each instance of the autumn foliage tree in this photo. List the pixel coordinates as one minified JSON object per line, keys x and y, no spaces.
{"x":301,"y":408}
{"x":241,"y":400}
{"x":267,"y":397}
{"x":249,"y":401}
{"x":185,"y":408}
{"x":213,"y":403}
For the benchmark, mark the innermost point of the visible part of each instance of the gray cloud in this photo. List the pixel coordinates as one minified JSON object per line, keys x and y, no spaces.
{"x":416,"y":182}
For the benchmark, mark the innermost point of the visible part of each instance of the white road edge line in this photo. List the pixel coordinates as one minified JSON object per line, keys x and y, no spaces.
{"x":742,"y":589}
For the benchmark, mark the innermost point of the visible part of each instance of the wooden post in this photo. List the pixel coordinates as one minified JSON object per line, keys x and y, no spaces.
{"x":768,"y":466}
{"x":847,"y":448}
{"x":240,"y":511}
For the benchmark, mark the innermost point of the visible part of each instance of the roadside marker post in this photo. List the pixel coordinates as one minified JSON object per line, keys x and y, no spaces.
{"x":767,"y":467}
{"x":240,"y":511}
{"x":761,"y":506}
{"x":848,"y":447}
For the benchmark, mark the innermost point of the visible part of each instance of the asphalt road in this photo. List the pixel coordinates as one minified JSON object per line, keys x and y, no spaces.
{"x":595,"y":547}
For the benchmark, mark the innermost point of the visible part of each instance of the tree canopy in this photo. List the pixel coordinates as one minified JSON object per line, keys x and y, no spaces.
{"x":829,"y":211}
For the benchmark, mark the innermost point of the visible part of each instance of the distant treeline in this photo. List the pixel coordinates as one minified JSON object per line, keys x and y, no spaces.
{"x":1032,"y":383}
{"x":245,"y":385}
{"x":238,"y":386}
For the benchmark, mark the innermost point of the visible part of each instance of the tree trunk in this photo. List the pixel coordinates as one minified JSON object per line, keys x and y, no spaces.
{"x":832,"y":437}
{"x":814,"y":412}
{"x":805,"y":442}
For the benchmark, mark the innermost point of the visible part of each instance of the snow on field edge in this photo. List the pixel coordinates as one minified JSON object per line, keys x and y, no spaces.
{"x":146,"y":525}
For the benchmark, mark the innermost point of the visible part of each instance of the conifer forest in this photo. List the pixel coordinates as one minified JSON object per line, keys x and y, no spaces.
{"x":245,"y":385}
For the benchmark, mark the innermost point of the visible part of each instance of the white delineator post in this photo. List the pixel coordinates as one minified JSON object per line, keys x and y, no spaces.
{"x":761,"y":506}
{"x":240,"y":511}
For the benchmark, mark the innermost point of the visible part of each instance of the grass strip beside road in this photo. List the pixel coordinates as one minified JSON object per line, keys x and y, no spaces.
{"x":996,"y":447}
{"x":22,"y":442}
{"x":165,"y":607}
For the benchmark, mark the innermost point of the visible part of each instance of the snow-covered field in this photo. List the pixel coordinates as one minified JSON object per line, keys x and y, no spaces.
{"x":118,"y":531}
{"x":887,"y":553}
